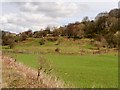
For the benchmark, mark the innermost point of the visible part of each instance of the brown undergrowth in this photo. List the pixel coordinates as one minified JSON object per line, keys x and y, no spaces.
{"x":17,"y":75}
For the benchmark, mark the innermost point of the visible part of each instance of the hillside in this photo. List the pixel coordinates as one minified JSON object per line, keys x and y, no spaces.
{"x":82,"y":54}
{"x":17,"y":75}
{"x":80,"y":57}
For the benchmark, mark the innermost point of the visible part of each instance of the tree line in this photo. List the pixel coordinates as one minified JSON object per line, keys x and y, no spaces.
{"x":104,"y":28}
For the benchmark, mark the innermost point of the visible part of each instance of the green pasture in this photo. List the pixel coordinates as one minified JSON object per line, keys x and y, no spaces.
{"x":99,"y":71}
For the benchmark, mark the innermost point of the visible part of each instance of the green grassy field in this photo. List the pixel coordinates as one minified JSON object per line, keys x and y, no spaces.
{"x":86,"y":71}
{"x":100,"y":71}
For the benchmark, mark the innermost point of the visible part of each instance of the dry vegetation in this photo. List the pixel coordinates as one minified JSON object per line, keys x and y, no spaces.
{"x":17,"y":75}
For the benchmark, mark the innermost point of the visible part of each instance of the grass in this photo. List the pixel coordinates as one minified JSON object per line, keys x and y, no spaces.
{"x":100,"y":71}
{"x":87,"y":71}
{"x":65,"y":46}
{"x":27,"y":59}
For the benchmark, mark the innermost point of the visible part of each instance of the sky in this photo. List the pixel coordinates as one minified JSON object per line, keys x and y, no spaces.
{"x":17,"y":16}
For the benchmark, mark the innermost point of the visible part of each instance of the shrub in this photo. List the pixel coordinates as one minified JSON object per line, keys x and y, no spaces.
{"x":45,"y":65}
{"x":57,"y":50}
{"x":23,"y":37}
{"x":97,"y":44}
{"x":42,"y":41}
{"x":8,"y":40}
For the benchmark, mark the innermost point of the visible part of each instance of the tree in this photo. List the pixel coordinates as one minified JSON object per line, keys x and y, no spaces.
{"x":23,"y":36}
{"x":102,"y":14}
{"x":29,"y":33}
{"x":101,"y":25}
{"x":8,"y":40}
{"x":90,"y":29}
{"x":57,"y":31}
{"x":85,"y":19}
{"x":47,"y":30}
{"x":115,"y":13}
{"x":38,"y":34}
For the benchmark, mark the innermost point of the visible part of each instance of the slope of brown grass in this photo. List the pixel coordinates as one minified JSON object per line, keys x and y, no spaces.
{"x":17,"y":75}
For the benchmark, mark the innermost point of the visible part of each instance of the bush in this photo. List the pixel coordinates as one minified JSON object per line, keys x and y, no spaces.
{"x":23,"y":37}
{"x":45,"y":65}
{"x":8,"y":40}
{"x":57,"y":50}
{"x":97,"y":44}
{"x":42,"y":41}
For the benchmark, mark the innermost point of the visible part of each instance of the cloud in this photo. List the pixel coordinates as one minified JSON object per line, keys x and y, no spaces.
{"x":14,"y":28}
{"x":54,"y":9}
{"x":19,"y":16}
{"x":24,"y":21}
{"x":36,"y":15}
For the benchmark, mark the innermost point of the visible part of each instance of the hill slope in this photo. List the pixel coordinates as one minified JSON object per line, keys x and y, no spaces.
{"x":17,"y":75}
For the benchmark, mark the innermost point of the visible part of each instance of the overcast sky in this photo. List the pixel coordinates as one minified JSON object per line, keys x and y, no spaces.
{"x":20,"y":16}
